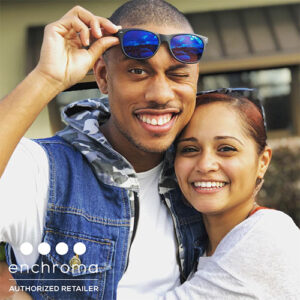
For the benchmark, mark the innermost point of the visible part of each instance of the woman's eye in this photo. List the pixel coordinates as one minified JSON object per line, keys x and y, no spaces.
{"x":227,"y":149}
{"x":137,"y":71}
{"x":188,"y":150}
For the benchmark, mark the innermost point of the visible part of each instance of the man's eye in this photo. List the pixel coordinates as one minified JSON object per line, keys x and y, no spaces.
{"x":227,"y":149}
{"x":137,"y":71}
{"x":179,"y":75}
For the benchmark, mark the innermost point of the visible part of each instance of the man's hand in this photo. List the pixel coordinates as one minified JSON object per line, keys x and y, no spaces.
{"x":63,"y":58}
{"x":64,"y":61}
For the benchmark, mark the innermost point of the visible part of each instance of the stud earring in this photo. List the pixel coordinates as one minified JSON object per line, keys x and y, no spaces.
{"x":259,"y":183}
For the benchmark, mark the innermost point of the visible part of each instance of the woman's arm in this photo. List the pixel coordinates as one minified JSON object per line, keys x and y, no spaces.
{"x":7,"y":283}
{"x":258,"y":259}
{"x":211,"y":282}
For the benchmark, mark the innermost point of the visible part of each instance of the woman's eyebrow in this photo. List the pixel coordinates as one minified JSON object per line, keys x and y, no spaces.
{"x":189,"y":139}
{"x":224,"y":137}
{"x":221,"y":137}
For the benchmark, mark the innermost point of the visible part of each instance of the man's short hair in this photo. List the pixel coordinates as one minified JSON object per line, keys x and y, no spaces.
{"x":142,"y":12}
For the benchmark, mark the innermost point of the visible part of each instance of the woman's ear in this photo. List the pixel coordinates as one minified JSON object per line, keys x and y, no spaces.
{"x":264,"y":161}
{"x":100,"y":72}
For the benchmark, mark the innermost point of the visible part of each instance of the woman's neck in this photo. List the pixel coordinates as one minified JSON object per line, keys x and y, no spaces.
{"x":218,"y":225}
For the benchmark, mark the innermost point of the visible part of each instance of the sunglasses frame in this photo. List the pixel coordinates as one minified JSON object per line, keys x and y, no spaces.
{"x":161,"y":38}
{"x":249,"y":93}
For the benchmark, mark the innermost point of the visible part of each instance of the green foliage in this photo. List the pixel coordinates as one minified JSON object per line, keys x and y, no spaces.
{"x":2,"y":251}
{"x":281,"y":189}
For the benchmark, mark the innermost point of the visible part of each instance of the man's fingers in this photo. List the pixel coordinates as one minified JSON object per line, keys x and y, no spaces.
{"x":108,"y":26}
{"x":83,"y":31}
{"x":101,"y":45}
{"x":96,"y":29}
{"x":79,"y":37}
{"x":70,"y":28}
{"x":92,"y":21}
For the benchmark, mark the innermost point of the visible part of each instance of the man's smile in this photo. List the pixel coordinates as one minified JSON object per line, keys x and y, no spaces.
{"x":157,"y":120}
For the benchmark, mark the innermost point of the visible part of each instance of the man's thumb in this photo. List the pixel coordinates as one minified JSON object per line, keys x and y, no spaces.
{"x":101,"y":45}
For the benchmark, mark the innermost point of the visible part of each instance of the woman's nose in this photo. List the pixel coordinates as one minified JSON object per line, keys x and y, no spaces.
{"x":206,"y":162}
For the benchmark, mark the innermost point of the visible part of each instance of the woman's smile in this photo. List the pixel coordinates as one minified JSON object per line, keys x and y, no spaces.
{"x":208,"y":187}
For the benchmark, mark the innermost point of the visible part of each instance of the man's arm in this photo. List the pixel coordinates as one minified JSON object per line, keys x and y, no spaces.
{"x":63,"y":62}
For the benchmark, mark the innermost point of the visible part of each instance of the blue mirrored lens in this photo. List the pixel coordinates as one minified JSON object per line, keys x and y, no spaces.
{"x":187,"y":47}
{"x":140,"y":44}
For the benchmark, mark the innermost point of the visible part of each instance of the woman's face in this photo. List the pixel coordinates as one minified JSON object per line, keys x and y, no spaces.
{"x":217,"y":164}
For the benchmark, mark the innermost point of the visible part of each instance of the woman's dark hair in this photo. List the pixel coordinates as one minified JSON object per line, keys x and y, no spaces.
{"x":249,"y":112}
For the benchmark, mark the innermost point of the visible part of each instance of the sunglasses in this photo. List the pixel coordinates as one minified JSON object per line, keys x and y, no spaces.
{"x":250,"y":94}
{"x":142,"y":44}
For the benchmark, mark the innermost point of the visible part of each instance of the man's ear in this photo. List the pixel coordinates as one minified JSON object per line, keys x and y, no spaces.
{"x":100,"y":72}
{"x":264,"y":161}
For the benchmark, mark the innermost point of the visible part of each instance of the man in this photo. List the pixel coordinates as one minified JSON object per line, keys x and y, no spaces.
{"x":101,"y":182}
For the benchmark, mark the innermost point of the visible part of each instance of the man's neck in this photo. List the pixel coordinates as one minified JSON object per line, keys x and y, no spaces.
{"x":140,"y":160}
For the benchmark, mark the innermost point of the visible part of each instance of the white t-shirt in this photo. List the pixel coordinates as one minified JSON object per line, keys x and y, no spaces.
{"x":258,"y":259}
{"x":152,"y":268}
{"x":23,"y":196}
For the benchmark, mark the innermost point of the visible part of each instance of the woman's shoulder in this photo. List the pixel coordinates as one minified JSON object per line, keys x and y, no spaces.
{"x":270,"y":222}
{"x":269,"y":214}
{"x":263,"y":253}
{"x":267,"y":228}
{"x":273,"y":222}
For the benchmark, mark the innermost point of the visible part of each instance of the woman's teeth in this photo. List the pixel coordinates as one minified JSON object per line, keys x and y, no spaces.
{"x":209,"y":184}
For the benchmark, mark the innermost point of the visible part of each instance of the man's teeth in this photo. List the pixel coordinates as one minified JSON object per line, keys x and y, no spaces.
{"x":161,"y":120}
{"x":209,"y":184}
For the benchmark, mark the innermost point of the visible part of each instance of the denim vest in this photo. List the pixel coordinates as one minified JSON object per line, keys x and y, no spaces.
{"x":83,"y":209}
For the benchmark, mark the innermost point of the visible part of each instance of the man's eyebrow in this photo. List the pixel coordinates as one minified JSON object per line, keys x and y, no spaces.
{"x":224,"y":137}
{"x":145,"y":62}
{"x":141,"y":61}
{"x":124,"y":58}
{"x":189,"y":139}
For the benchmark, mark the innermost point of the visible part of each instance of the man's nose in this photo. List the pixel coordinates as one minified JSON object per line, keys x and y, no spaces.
{"x":206,"y":162}
{"x":160,"y":90}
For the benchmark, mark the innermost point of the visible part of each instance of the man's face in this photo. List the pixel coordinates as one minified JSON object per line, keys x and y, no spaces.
{"x":150,"y":100}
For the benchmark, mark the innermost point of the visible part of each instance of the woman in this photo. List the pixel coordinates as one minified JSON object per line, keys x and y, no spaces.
{"x":222,"y":156}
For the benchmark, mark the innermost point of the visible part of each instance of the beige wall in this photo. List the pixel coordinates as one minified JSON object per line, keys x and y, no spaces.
{"x":17,"y":16}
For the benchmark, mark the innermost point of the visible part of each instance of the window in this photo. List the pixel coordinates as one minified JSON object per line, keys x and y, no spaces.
{"x":274,"y":88}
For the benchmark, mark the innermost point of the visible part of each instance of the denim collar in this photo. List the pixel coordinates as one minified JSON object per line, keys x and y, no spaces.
{"x":83,"y":119}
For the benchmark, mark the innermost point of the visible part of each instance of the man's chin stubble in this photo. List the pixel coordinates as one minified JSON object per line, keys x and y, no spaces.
{"x":142,"y":147}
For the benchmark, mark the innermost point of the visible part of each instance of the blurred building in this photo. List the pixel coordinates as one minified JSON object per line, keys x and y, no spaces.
{"x":251,"y":44}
